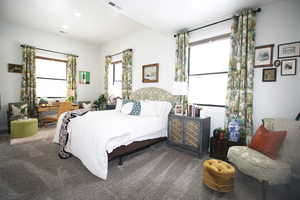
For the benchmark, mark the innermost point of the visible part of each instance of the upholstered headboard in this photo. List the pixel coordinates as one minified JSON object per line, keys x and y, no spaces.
{"x":152,"y":93}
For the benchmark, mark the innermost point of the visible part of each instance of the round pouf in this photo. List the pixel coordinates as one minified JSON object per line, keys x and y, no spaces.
{"x":218,"y":175}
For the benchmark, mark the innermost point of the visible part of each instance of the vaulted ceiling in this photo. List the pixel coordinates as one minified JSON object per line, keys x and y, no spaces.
{"x":97,"y":22}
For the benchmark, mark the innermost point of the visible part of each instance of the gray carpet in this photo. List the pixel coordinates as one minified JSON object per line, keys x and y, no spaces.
{"x":33,"y":171}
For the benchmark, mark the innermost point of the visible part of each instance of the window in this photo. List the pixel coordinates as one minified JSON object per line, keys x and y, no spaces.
{"x":115,"y":79}
{"x":51,"y":77}
{"x":208,"y":68}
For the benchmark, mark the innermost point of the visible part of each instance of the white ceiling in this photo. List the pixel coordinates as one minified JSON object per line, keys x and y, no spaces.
{"x":174,"y":15}
{"x":99,"y":22}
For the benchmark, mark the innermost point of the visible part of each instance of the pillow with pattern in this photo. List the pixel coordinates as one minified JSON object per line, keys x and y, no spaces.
{"x":18,"y":110}
{"x":136,"y":110}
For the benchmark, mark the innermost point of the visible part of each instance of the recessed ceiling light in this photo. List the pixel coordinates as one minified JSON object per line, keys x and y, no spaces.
{"x":63,"y":32}
{"x":112,"y":4}
{"x":77,"y":14}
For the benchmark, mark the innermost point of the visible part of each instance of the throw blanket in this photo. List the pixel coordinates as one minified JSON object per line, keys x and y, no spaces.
{"x":64,"y":134}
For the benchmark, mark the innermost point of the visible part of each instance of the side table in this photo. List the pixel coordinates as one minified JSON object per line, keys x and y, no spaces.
{"x":219,"y":148}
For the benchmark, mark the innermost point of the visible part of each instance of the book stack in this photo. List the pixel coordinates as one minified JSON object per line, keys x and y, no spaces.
{"x":194,"y":110}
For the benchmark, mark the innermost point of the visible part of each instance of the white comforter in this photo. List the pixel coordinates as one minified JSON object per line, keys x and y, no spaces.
{"x":90,"y":134}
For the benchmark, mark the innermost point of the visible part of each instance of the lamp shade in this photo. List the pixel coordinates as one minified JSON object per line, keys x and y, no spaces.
{"x":180,"y":88}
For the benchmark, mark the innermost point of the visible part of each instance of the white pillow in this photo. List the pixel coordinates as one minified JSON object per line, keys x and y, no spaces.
{"x":165,"y":108}
{"x":127,"y":108}
{"x":87,"y":105}
{"x":150,"y":108}
{"x":119,"y":105}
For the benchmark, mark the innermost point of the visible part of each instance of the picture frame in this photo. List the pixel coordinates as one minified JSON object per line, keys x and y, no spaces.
{"x":150,"y":73}
{"x":269,"y":75}
{"x":264,"y":56}
{"x":289,"y":50}
{"x":84,"y":77}
{"x":178,"y":109}
{"x":288,"y":67}
{"x":15,"y":68}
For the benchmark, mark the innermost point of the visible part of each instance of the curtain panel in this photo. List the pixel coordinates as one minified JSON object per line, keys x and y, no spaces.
{"x":181,"y":65}
{"x":71,"y":78}
{"x":127,"y":74}
{"x":239,"y":100}
{"x":28,"y":87}
{"x":108,"y":60}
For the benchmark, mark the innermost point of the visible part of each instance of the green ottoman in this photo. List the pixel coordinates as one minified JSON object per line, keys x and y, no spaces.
{"x":23,"y":128}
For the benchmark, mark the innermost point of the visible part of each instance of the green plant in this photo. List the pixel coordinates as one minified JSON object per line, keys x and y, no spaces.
{"x":101,"y":102}
{"x":70,"y":99}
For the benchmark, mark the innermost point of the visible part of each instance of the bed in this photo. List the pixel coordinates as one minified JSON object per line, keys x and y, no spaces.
{"x":124,"y":134}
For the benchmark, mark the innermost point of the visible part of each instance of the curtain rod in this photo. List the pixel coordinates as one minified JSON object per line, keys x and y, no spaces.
{"x":52,"y":51}
{"x":119,"y":53}
{"x":218,"y":22}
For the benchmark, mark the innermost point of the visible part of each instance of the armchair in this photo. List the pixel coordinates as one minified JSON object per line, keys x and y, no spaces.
{"x":16,"y":111}
{"x":265,"y":169}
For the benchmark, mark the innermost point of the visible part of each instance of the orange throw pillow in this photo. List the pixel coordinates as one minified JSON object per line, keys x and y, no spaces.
{"x":267,"y":142}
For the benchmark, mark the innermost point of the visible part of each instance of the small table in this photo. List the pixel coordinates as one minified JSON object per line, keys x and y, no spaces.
{"x":23,"y":128}
{"x":219,"y":148}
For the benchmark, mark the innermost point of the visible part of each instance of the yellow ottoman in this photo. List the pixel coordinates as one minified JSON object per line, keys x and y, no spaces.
{"x":218,"y":175}
{"x":23,"y":128}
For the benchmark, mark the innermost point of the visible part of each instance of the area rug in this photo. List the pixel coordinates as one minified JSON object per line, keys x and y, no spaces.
{"x":33,"y":171}
{"x":43,"y":134}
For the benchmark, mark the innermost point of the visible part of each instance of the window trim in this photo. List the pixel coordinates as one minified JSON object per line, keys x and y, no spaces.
{"x":57,"y":79}
{"x":114,"y":70}
{"x":199,"y":42}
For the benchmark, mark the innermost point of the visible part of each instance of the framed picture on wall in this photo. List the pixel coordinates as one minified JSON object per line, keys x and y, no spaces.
{"x":150,"y":73}
{"x":264,"y":56}
{"x":15,"y":68}
{"x":84,"y":77}
{"x":288,"y":67}
{"x":269,"y":75}
{"x":289,"y":50}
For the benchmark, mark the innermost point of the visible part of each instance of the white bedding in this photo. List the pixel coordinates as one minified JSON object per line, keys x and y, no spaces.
{"x":96,"y":133}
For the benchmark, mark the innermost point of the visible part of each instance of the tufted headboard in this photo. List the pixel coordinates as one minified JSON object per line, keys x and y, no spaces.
{"x":152,"y":93}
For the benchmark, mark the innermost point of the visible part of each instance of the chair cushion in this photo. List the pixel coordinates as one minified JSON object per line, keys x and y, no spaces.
{"x":259,"y":166}
{"x":267,"y":142}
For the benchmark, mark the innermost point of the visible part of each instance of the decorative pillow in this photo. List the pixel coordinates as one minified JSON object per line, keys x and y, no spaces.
{"x":150,"y":108}
{"x":136,"y":110}
{"x":127,"y":108}
{"x":267,"y":142}
{"x":119,"y":105}
{"x":18,"y":110}
{"x":87,"y":105}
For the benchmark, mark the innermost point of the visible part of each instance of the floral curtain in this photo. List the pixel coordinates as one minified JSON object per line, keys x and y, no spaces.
{"x":181,"y":65}
{"x":127,"y":74}
{"x":239,"y":101}
{"x":28,"y":88}
{"x":71,"y":78}
{"x":108,"y":60}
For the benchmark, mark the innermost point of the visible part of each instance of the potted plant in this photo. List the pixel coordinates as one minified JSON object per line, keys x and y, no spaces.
{"x":100,"y":103}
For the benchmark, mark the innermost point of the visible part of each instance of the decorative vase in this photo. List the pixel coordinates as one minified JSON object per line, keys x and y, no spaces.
{"x":234,"y":131}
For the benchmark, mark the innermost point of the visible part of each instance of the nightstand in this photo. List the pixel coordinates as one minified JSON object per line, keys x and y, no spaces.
{"x":189,"y":133}
{"x":219,"y":148}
